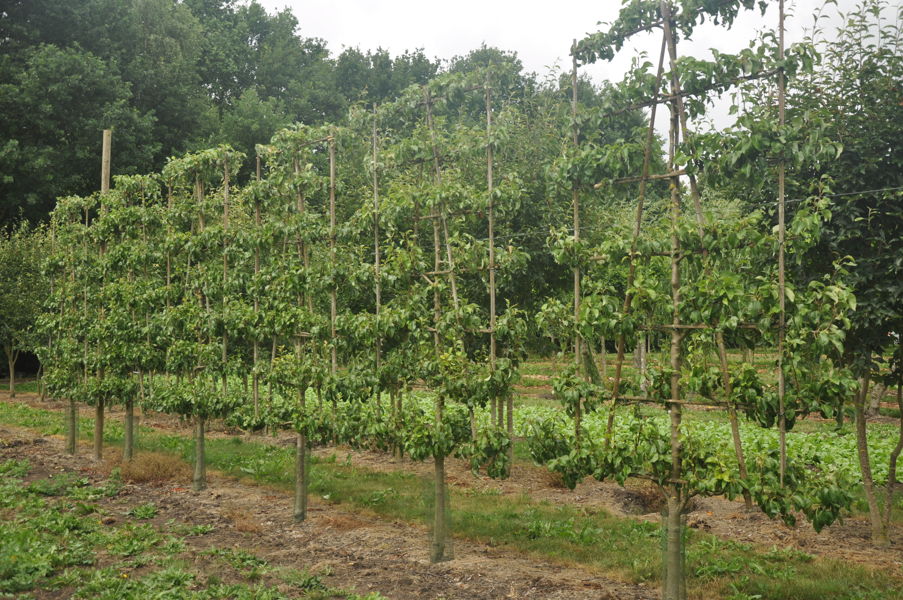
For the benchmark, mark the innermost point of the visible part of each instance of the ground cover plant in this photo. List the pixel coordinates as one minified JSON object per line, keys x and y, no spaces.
{"x":377,"y":283}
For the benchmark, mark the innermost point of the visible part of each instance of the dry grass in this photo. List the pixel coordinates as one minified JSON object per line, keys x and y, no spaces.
{"x":241,"y":519}
{"x":343,"y":522}
{"x":554,"y":480}
{"x":152,"y":467}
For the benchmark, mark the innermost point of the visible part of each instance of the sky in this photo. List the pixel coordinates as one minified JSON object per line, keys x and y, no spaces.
{"x":540,"y":32}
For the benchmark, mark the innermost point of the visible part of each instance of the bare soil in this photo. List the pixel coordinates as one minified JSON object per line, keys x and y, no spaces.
{"x":848,"y":540}
{"x":353,"y":551}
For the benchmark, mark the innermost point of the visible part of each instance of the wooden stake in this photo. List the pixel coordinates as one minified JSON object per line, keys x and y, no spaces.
{"x":782,"y":318}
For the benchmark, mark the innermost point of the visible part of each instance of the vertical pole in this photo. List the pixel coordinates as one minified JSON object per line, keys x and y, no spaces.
{"x":334,"y":363}
{"x":225,"y":354}
{"x":377,"y":284}
{"x":782,"y":318}
{"x":674,"y":584}
{"x":255,"y":348}
{"x":575,"y":205}
{"x":104,"y":188}
{"x":105,"y":161}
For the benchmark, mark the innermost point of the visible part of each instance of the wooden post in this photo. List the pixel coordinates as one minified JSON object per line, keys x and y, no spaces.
{"x":225,"y":350}
{"x":255,"y":347}
{"x":334,"y":361}
{"x":782,"y":318}
{"x":674,"y":584}
{"x":104,"y":188}
{"x":377,"y":284}
{"x":575,"y":206}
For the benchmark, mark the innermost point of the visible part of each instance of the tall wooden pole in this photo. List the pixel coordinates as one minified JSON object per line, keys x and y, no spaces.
{"x":575,"y":206}
{"x":782,"y":318}
{"x":104,"y":189}
{"x":255,"y":348}
{"x":334,"y":362}
{"x":377,"y":283}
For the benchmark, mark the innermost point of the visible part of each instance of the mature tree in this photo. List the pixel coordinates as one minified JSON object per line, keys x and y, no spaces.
{"x":54,"y":109}
{"x":22,"y":291}
{"x":856,"y":93}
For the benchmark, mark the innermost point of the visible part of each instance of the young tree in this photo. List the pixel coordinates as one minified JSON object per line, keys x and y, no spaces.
{"x":23,"y":290}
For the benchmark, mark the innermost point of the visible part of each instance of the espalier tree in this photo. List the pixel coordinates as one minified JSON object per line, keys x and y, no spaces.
{"x":201,"y":297}
{"x":721,"y":281}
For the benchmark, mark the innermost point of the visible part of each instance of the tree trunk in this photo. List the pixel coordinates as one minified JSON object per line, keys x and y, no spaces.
{"x":300,"y":512}
{"x":438,"y":551}
{"x":892,"y":465}
{"x":875,"y":400}
{"x":98,"y":431}
{"x":11,"y":361}
{"x":674,"y":586}
{"x":199,"y":481}
{"x":879,"y":533}
{"x":509,"y":426}
{"x":72,"y":428}
{"x":128,"y":446}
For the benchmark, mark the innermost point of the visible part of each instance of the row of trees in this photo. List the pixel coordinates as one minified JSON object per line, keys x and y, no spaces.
{"x":408,"y":246}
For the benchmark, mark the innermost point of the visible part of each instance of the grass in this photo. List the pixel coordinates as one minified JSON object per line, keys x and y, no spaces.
{"x":52,"y":542}
{"x":621,"y":547}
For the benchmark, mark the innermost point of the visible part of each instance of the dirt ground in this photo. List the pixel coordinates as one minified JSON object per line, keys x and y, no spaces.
{"x":351,"y":551}
{"x":848,"y":540}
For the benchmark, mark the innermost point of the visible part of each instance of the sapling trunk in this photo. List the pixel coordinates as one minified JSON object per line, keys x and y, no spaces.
{"x":300,"y":508}
{"x":98,"y":430}
{"x":128,"y":445}
{"x":199,"y":481}
{"x":892,"y":465}
{"x":674,"y":586}
{"x":11,"y":362}
{"x":879,"y":533}
{"x":72,"y":428}
{"x":440,"y":516}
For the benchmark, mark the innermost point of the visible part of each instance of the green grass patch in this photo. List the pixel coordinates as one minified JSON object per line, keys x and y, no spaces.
{"x":623,"y":547}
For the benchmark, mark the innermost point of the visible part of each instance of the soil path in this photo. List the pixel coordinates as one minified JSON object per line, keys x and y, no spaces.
{"x":353,"y":551}
{"x":847,"y":540}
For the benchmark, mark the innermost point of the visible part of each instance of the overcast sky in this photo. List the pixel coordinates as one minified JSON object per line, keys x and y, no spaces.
{"x":540,"y":32}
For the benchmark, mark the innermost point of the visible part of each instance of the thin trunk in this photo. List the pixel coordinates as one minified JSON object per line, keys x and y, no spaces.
{"x":300,"y":508}
{"x":11,"y":361}
{"x":892,"y":465}
{"x":674,"y":587}
{"x":72,"y":428}
{"x":199,"y":481}
{"x":879,"y":533}
{"x":438,"y":549}
{"x":98,"y":430}
{"x":732,"y":417}
{"x":334,"y":364}
{"x":128,"y":442}
{"x":440,"y":214}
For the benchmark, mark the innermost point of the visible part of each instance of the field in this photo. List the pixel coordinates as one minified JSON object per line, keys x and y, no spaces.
{"x":139,"y":529}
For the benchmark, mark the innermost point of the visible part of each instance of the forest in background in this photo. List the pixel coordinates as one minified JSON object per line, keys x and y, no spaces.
{"x":171,"y":77}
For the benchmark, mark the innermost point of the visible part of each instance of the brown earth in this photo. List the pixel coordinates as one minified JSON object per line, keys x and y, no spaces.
{"x":847,"y":540}
{"x":352,"y":551}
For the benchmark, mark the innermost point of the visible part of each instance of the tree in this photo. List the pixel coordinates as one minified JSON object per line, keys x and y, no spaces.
{"x":855,"y":93}
{"x":54,"y":107}
{"x":23,"y":289}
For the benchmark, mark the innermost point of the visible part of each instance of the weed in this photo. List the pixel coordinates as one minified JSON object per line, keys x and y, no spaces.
{"x":143,"y":511}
